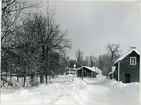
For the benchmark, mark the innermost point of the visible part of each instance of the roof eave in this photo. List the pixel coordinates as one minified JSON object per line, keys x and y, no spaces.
{"x":116,"y":62}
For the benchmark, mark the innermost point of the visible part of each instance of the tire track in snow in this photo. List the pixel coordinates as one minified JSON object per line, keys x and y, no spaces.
{"x":72,"y":97}
{"x":98,"y":93}
{"x":91,"y":95}
{"x":68,"y":82}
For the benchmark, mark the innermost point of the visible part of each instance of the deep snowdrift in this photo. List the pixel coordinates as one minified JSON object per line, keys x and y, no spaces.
{"x":119,"y":93}
{"x":99,"y":91}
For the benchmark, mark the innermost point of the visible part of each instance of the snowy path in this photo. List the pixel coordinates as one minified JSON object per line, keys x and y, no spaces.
{"x":75,"y":92}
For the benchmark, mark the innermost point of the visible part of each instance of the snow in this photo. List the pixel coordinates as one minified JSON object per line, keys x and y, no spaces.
{"x":75,"y":91}
{"x":113,"y":70}
{"x":97,"y":70}
{"x":88,"y":68}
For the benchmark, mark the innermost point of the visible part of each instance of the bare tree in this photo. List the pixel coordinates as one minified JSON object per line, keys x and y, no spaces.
{"x":11,"y":23}
{"x":104,"y":63}
{"x":113,"y":50}
{"x":56,"y":39}
{"x":45,"y":34}
{"x":33,"y":45}
{"x":11,"y":12}
{"x":86,"y":61}
{"x":79,"y":57}
{"x":93,"y":61}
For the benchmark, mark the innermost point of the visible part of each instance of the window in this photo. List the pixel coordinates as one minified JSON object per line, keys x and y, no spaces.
{"x":133,"y":61}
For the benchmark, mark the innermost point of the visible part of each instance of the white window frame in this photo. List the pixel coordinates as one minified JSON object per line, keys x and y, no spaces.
{"x":133,"y":62}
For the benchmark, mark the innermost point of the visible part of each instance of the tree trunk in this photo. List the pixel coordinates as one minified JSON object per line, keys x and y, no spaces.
{"x":32,"y":81}
{"x":17,"y":79}
{"x":46,"y":77}
{"x":36,"y":79}
{"x":24,"y":81}
{"x":6,"y":76}
{"x":53,"y":76}
{"x":42,"y":62}
{"x":10,"y":76}
{"x":50,"y":76}
{"x":41,"y":78}
{"x":32,"y":77}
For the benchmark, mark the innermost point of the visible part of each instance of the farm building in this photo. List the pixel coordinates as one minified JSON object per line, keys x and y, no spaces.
{"x":86,"y":71}
{"x":70,"y":71}
{"x":127,"y":67}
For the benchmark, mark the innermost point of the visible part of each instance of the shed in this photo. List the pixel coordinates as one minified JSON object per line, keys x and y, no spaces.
{"x":127,"y":67}
{"x":86,"y":71}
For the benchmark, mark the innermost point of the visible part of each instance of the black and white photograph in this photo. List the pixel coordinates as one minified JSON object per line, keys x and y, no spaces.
{"x":70,"y":52}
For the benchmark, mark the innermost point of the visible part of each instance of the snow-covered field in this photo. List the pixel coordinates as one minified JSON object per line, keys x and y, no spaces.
{"x":69,"y":90}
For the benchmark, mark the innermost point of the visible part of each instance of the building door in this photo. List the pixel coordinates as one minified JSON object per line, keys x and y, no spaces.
{"x":127,"y":78}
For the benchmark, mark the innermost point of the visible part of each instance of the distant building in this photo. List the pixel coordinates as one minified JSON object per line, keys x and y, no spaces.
{"x":71,"y":71}
{"x":86,"y":71}
{"x":127,"y":67}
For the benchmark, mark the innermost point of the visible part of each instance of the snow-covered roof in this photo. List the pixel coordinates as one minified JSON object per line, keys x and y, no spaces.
{"x":122,"y":57}
{"x":87,"y":68}
{"x":95,"y":69}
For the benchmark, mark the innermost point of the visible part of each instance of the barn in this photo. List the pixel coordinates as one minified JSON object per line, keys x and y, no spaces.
{"x":86,"y":71}
{"x":127,"y":67}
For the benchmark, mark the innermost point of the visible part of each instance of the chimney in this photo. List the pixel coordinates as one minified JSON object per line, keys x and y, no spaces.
{"x":133,"y":47}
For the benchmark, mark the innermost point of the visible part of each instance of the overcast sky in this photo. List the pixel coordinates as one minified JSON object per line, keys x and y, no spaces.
{"x":92,"y":25}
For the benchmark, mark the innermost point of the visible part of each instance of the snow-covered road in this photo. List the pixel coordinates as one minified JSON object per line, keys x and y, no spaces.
{"x":75,"y":92}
